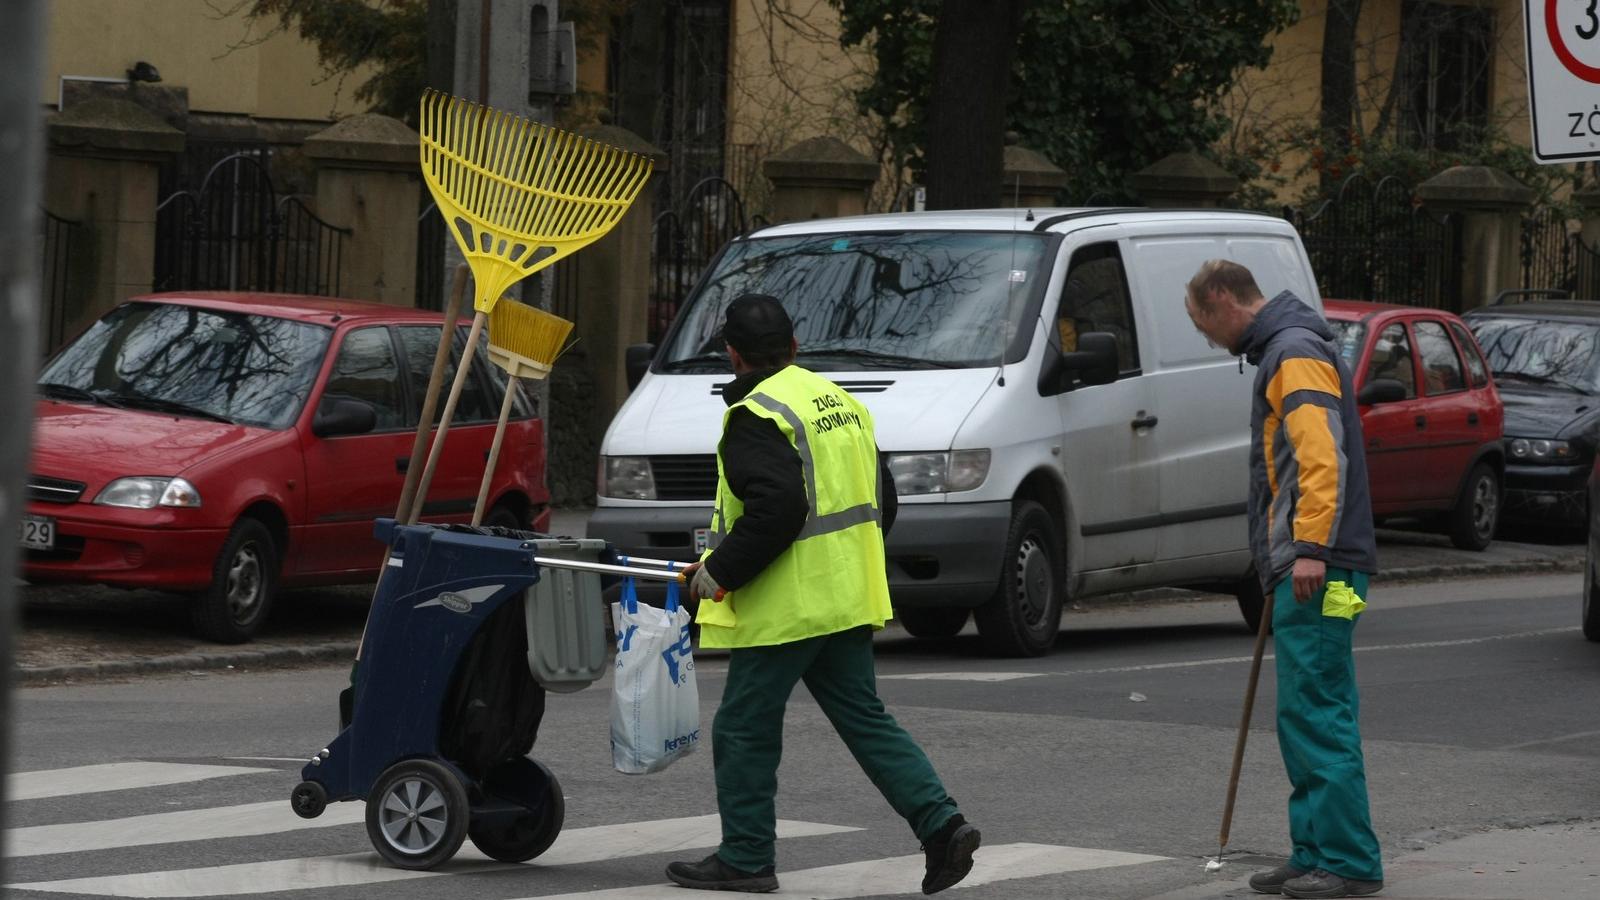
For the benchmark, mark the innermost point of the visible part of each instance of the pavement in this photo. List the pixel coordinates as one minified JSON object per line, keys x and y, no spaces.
{"x":79,"y":633}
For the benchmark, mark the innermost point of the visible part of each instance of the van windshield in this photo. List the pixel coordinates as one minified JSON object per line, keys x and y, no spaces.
{"x":909,"y":300}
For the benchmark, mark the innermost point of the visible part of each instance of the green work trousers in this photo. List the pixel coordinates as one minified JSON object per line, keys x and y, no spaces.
{"x":1320,"y":735}
{"x":747,"y":739}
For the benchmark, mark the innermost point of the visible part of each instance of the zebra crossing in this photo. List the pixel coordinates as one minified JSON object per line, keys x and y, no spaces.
{"x":39,"y":855}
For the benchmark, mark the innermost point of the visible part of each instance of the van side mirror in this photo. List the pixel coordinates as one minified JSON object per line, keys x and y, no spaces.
{"x":1381,"y":390}
{"x":636,"y":362}
{"x":1094,"y":362}
{"x":338,"y":416}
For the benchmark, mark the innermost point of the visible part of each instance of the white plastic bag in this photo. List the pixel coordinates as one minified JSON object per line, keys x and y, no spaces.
{"x":655,"y":706}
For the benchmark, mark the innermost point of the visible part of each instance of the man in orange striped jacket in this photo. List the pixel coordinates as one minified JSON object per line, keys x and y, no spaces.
{"x":1312,"y":539}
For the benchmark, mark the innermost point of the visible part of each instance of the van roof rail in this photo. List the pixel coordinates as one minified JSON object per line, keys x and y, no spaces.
{"x":1047,"y":223}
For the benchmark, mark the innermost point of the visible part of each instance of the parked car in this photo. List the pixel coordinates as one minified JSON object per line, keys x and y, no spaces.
{"x":227,"y":444}
{"x":1545,"y":357}
{"x":1055,"y":425}
{"x":1430,"y":413}
{"x":1591,"y":563}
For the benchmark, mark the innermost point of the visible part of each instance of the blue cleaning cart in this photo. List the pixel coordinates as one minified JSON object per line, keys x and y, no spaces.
{"x":469,"y":628}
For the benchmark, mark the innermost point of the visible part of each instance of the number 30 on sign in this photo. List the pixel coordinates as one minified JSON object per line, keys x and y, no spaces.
{"x":1564,"y":78}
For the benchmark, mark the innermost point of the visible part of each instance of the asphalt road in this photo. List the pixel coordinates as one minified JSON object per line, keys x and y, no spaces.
{"x":1096,"y":772}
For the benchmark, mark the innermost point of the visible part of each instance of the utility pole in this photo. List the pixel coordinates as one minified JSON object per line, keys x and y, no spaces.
{"x":21,"y":36}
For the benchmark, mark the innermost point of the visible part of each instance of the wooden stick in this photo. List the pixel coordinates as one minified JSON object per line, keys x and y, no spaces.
{"x":1244,"y":721}
{"x":434,"y":452}
{"x":494,"y":450}
{"x":430,"y":402}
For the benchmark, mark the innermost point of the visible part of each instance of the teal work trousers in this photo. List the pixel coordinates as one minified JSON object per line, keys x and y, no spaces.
{"x":1320,"y":735}
{"x":747,"y":739}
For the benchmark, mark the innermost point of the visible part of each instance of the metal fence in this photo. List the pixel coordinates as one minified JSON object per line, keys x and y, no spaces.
{"x":58,"y":239}
{"x":683,"y":242}
{"x":1555,"y":255}
{"x":1374,"y":241}
{"x":237,"y":233}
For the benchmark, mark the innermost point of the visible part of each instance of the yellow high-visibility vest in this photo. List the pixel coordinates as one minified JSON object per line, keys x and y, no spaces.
{"x":833,"y":577}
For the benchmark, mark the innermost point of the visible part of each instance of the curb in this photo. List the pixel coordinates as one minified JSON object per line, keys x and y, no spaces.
{"x":329,"y":651}
{"x":341,"y":651}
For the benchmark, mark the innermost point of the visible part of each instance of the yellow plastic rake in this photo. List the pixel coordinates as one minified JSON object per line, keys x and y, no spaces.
{"x":517,"y":196}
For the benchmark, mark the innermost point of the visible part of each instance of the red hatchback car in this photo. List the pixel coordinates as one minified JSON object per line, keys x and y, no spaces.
{"x":224,"y":444}
{"x":1431,"y":415}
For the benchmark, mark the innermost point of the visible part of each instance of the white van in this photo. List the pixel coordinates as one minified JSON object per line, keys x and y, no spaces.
{"x":1056,"y":426}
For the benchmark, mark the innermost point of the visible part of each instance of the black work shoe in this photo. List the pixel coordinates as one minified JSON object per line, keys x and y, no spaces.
{"x":949,"y":854}
{"x":1271,"y":881}
{"x":712,"y":874}
{"x":1319,"y":883}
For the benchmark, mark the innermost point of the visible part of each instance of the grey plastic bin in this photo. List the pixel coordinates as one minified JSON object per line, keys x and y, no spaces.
{"x":566,"y":618}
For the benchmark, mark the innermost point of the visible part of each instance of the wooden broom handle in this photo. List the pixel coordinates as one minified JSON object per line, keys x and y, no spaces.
{"x":449,"y":413}
{"x":494,"y":450}
{"x":430,"y":401}
{"x":1244,"y":720}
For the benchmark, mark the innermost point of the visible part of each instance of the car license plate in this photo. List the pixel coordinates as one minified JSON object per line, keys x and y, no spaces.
{"x":38,"y":532}
{"x":702,"y":540}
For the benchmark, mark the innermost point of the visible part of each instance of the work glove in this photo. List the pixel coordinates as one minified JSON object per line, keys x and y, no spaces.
{"x":701,"y":584}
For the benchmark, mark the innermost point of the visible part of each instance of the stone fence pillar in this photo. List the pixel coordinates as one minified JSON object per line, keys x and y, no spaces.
{"x":102,"y":171}
{"x":1029,"y":179}
{"x":1184,"y":180}
{"x":819,"y":178}
{"x":614,"y":282}
{"x":1491,"y":205}
{"x":368,"y":181}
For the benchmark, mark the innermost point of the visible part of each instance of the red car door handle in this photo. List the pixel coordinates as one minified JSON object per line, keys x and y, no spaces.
{"x":1472,"y":418}
{"x":402,"y":463}
{"x":1422,"y":421}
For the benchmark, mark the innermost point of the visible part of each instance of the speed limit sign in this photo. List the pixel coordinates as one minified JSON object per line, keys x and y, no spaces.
{"x":1564,"y":78}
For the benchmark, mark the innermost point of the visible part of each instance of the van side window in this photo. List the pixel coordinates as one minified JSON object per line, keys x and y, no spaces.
{"x":1096,"y":298}
{"x":366,"y":370}
{"x":1391,"y":358}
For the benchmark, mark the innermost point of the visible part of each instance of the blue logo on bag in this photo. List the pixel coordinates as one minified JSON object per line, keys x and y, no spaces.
{"x":625,"y":638}
{"x":682,"y":740}
{"x":684,"y":649}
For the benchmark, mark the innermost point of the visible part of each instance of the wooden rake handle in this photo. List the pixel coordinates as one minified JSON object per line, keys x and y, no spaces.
{"x":434,"y":452}
{"x":1244,"y":721}
{"x":494,"y":451}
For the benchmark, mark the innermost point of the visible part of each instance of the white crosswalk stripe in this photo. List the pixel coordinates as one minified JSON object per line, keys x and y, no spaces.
{"x":175,"y":827}
{"x":903,"y":874}
{"x":578,"y":845}
{"x":682,"y":838}
{"x":960,"y":676}
{"x":113,"y":777}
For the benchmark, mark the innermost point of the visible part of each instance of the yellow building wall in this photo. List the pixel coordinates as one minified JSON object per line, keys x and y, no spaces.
{"x":228,"y":63}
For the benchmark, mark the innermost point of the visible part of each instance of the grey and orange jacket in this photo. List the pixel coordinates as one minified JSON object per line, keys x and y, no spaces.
{"x":1308,"y":469}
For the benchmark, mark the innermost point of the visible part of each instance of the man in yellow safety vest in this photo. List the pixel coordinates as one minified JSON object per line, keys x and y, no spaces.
{"x":794,"y":584}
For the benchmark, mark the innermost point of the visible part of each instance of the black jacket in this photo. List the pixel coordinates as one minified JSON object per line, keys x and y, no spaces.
{"x":763,"y":471}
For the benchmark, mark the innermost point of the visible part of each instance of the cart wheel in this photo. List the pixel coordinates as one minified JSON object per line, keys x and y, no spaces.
{"x":309,"y":799}
{"x":526,"y":836}
{"x":417,"y":814}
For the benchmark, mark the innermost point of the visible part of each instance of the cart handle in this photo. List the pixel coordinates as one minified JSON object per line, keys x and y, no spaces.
{"x":576,"y":565}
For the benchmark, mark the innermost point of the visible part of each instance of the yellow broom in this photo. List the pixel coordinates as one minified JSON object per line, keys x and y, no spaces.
{"x":517,"y":196}
{"x":525,"y":342}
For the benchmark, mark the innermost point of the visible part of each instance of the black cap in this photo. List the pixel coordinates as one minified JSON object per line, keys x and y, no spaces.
{"x":757,"y":323}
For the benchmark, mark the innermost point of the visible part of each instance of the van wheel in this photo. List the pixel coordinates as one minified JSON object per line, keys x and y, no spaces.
{"x":244,"y":580}
{"x":1024,"y":615}
{"x":1477,"y":512}
{"x":1251,"y":601}
{"x":935,"y":622}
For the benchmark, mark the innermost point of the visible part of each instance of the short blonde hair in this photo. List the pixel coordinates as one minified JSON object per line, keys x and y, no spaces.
{"x":1223,"y":275}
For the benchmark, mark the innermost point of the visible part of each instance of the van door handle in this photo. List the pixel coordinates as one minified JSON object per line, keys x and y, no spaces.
{"x":402,"y":463}
{"x":1144,"y":420}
